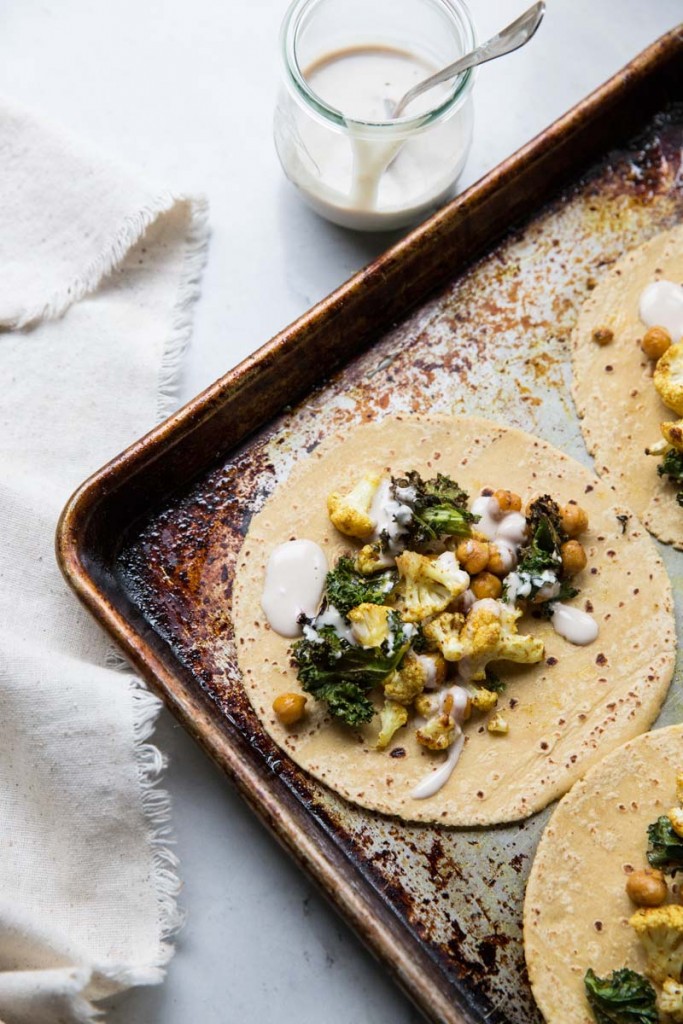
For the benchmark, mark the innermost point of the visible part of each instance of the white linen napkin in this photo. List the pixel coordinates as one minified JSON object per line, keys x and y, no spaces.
{"x":98,"y":273}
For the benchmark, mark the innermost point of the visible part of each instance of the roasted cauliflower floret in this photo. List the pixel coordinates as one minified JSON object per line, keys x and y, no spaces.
{"x":408,"y":681}
{"x":675,"y":816}
{"x":350,"y":513}
{"x":370,"y":624}
{"x":443,"y":712}
{"x":660,"y":930}
{"x":427,"y":584}
{"x":371,"y":559}
{"x":434,"y":665}
{"x":668,"y":378}
{"x":488,"y":634}
{"x":443,"y":632}
{"x":671,"y":1000}
{"x":481,"y":698}
{"x":672,"y":432}
{"x":438,"y":732}
{"x":391,"y":718}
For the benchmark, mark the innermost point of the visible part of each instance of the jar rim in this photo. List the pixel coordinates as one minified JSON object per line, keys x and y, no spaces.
{"x":456,"y":9}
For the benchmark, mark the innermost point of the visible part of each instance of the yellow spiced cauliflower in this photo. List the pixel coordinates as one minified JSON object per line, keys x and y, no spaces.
{"x":660,"y":931}
{"x":670,"y":1000}
{"x":391,"y":718}
{"x":489,"y":634}
{"x":405,"y":683}
{"x":370,"y":624}
{"x":350,"y":513}
{"x":668,"y":378}
{"x":428,"y":583}
{"x":672,"y":432}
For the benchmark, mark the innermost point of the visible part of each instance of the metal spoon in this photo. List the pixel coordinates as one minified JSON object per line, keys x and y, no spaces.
{"x":508,"y":39}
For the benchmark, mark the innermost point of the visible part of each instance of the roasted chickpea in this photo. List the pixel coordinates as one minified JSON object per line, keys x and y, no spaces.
{"x":500,"y":562}
{"x":473,"y":555}
{"x":603,"y":336}
{"x":655,"y":342}
{"x":573,"y":557}
{"x":508,"y":501}
{"x":647,"y":888}
{"x":289,"y":707}
{"x":486,"y":585}
{"x":574,"y":520}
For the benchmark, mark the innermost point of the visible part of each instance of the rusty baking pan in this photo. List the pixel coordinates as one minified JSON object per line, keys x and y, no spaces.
{"x":470,"y":313}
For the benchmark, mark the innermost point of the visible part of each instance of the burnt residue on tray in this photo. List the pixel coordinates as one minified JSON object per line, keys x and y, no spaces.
{"x":493,"y":343}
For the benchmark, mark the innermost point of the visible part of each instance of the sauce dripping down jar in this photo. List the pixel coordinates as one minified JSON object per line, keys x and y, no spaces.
{"x":346,"y":64}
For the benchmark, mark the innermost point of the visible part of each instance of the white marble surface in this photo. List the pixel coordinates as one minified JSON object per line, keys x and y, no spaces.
{"x":185,"y":91}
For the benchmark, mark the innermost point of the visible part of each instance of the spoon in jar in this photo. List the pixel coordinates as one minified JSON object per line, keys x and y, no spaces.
{"x":508,"y":39}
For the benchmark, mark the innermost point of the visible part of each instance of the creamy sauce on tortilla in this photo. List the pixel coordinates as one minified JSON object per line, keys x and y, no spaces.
{"x":389,"y":515}
{"x":294,"y":584}
{"x":574,"y":625}
{"x":507,"y":531}
{"x":438,"y":778}
{"x":661,"y":305}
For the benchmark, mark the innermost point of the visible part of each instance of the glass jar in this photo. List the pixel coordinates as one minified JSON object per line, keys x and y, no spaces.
{"x":346,"y":65}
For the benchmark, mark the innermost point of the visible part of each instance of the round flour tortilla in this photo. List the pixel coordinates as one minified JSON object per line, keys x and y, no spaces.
{"x":576,"y":909}
{"x":564,"y":714}
{"x":615,"y":396}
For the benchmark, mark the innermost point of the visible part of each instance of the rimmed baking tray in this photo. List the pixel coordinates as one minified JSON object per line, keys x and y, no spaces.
{"x":470,"y":313}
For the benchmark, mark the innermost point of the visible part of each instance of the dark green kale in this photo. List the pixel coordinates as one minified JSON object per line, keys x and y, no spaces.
{"x":347,"y":701}
{"x":666,"y":847}
{"x":493,"y":681}
{"x":625,"y":997}
{"x":340,"y":673}
{"x":672,"y":467}
{"x":419,"y":643}
{"x":438,"y":506}
{"x":346,"y":588}
{"x":542,"y":554}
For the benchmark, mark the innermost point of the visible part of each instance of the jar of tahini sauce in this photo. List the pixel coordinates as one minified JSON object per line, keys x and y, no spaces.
{"x":347,"y":63}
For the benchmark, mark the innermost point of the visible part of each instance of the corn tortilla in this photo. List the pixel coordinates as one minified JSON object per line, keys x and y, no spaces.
{"x":564,"y":714}
{"x":576,"y":909}
{"x":613,"y":390}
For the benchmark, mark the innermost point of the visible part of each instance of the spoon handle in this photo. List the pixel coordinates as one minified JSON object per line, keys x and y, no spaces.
{"x":508,"y":39}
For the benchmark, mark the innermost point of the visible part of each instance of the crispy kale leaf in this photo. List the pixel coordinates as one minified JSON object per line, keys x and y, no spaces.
{"x":672,"y":466}
{"x":438,"y":506}
{"x":541,"y":555}
{"x":346,"y":588}
{"x":666,"y":847}
{"x":340,"y":673}
{"x":625,"y":997}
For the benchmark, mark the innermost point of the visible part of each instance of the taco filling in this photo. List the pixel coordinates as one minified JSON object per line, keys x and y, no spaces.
{"x":658,"y":925}
{"x":411,"y":620}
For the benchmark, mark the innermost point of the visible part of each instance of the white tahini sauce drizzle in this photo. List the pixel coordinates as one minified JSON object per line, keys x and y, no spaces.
{"x":438,"y":778}
{"x":389,"y":515}
{"x":294,"y":584}
{"x":574,"y":625}
{"x":433,"y":782}
{"x":661,"y":305}
{"x":507,"y":530}
{"x":334,"y":618}
{"x":428,"y":663}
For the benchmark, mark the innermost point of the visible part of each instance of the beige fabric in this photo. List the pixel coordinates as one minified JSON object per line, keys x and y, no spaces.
{"x":87,"y":883}
{"x":615,"y":397}
{"x":576,"y":908}
{"x":563,"y":717}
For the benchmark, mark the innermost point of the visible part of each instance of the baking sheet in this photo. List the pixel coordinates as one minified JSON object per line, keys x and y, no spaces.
{"x":494,"y":343}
